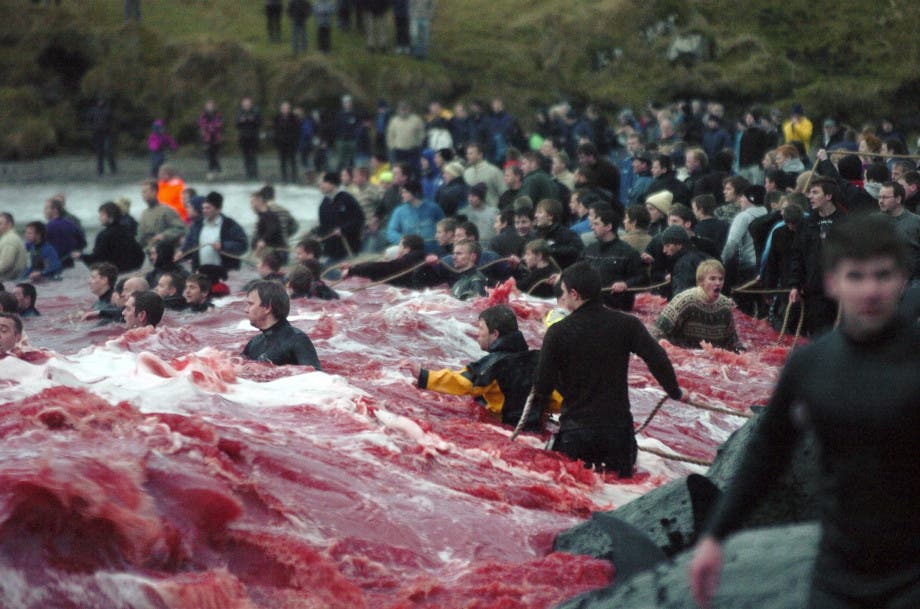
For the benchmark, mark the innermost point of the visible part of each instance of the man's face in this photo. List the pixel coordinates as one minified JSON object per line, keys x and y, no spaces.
{"x":398,"y":176}
{"x":600,"y":229}
{"x":497,"y":224}
{"x":4,"y":224}
{"x":209,"y":211}
{"x":541,"y":218}
{"x":868,"y":292}
{"x":670,"y":249}
{"x":691,"y":162}
{"x":712,"y":284}
{"x":133,"y":318}
{"x":728,"y":191}
{"x":657,"y":169}
{"x":697,"y":212}
{"x":23,"y":301}
{"x":558,"y":165}
{"x":526,"y":165}
{"x":567,"y":299}
{"x":511,"y":180}
{"x":257,"y":313}
{"x":653,"y":211}
{"x":473,"y":155}
{"x":303,"y":255}
{"x":888,"y":202}
{"x":484,"y":336}
{"x":406,"y":195}
{"x":49,"y":211}
{"x":29,"y":235}
{"x":633,"y":144}
{"x":463,"y":257}
{"x":148,"y":194}
{"x":8,"y":335}
{"x":817,"y":198}
{"x":639,"y":166}
{"x":475,"y":202}
{"x":574,"y":205}
{"x":165,"y":286}
{"x":443,"y":237}
{"x":327,"y":188}
{"x":678,"y":221}
{"x":523,"y":225}
{"x":532,"y":259}
{"x":897,"y":172}
{"x":909,"y":189}
{"x":98,"y":284}
{"x":193,"y":294}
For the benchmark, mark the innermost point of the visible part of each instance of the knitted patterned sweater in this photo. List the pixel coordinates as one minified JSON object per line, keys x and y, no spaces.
{"x":689,"y":319}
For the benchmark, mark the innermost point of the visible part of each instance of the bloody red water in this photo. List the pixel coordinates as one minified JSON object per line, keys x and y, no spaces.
{"x":157,"y":469}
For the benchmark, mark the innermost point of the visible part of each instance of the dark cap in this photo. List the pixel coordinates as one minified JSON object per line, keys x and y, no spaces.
{"x":675,"y":234}
{"x":755,"y":194}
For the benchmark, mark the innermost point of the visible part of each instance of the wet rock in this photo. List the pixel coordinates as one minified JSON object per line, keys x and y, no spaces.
{"x":763,"y":569}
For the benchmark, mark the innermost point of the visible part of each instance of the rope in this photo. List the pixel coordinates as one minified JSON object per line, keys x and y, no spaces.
{"x":675,"y":456}
{"x":734,"y":413}
{"x":652,"y":414}
{"x":391,"y":277}
{"x":746,"y":285}
{"x":798,"y":328}
{"x":528,"y":406}
{"x":642,"y":288}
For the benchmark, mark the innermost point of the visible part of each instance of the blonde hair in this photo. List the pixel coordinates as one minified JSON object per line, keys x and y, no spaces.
{"x":708,"y":266}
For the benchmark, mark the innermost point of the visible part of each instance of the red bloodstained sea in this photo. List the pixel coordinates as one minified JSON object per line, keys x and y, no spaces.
{"x":155,"y":468}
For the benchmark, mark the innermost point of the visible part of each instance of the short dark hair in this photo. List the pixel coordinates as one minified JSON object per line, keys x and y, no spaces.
{"x":552,"y":207}
{"x":828,"y":187}
{"x":523,"y":211}
{"x":878,"y":172}
{"x":8,"y":303}
{"x":215,"y":198}
{"x":177,"y":280}
{"x":912,"y":177}
{"x":111,"y":209}
{"x":897,"y":188}
{"x":28,"y":290}
{"x":738,"y":183}
{"x":500,"y":318}
{"x":706,"y":203}
{"x":201,"y":280}
{"x":150,"y":303}
{"x":639,"y":215}
{"x":793,"y":214}
{"x":39,"y":229}
{"x":272,"y":260}
{"x":414,"y":243}
{"x":664,"y":161}
{"x":300,"y":279}
{"x":682,"y":211}
{"x":17,"y":321}
{"x":9,"y":217}
{"x":607,"y":214}
{"x":311,"y":245}
{"x":862,"y":238}
{"x":471,"y":230}
{"x":539,"y":246}
{"x":506,"y":216}
{"x":582,"y":278}
{"x":331,"y":177}
{"x":107,"y":270}
{"x":273,"y":295}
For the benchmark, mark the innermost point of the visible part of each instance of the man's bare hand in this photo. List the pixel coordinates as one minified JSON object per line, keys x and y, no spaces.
{"x":705,"y":569}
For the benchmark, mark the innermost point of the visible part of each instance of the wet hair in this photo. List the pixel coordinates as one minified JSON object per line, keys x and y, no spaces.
{"x":300,"y":279}
{"x":17,"y":321}
{"x":863,"y":238}
{"x":708,"y":266}
{"x":107,"y":270}
{"x":582,"y":278}
{"x":150,"y":303}
{"x":28,"y":290}
{"x":309,"y":244}
{"x":273,"y":295}
{"x":500,"y":318}
{"x":639,"y":216}
{"x":39,"y":229}
{"x":551,"y":207}
{"x":413,"y":243}
{"x":8,"y":303}
{"x":272,"y":260}
{"x":112,"y":210}
{"x":201,"y":280}
{"x":706,"y":203}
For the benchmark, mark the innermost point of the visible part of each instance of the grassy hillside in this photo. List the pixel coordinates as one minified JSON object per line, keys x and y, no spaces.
{"x":842,"y":58}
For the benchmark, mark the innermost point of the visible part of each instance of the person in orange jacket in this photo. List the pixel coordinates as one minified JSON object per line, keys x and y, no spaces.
{"x":170,"y":190}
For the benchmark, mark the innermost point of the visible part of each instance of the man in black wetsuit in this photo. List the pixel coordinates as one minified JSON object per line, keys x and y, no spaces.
{"x":858,"y":390}
{"x":279,"y":343}
{"x":586,"y":355}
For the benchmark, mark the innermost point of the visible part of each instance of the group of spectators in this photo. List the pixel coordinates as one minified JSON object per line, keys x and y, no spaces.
{"x":411,"y":23}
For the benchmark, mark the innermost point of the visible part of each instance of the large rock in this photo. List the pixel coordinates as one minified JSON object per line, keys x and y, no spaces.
{"x":763,"y":569}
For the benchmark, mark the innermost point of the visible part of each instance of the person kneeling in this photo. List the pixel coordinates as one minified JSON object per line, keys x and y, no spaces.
{"x":700,"y":314}
{"x":502,"y":379}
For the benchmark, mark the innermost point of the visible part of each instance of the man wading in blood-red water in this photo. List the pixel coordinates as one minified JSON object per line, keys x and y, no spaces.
{"x":858,"y":389}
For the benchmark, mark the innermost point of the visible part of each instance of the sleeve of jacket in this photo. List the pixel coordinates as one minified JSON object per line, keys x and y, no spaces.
{"x":635,"y":270}
{"x":655,"y":357}
{"x":448,"y":381}
{"x":394,"y":227}
{"x":52,"y":261}
{"x":305,"y":354}
{"x":175,"y":227}
{"x":233,"y":238}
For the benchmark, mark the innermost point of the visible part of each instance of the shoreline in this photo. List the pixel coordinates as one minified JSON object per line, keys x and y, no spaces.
{"x":81,"y":168}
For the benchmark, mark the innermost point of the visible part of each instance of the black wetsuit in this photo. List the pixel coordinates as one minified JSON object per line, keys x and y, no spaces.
{"x":282,"y":344}
{"x":862,"y":399}
{"x":586,"y":357}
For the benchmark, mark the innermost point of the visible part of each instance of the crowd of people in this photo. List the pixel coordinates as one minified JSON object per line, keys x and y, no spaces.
{"x":678,"y":201}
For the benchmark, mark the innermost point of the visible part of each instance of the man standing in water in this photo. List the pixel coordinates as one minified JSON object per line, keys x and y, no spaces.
{"x":586,"y":355}
{"x":858,"y":390}
{"x":280,"y":343}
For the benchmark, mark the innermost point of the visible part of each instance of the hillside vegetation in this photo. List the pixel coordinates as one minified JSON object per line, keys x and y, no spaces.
{"x":852,"y":60}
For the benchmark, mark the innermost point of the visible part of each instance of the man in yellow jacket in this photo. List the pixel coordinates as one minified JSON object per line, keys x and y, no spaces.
{"x":501,"y":380}
{"x":798,"y":128}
